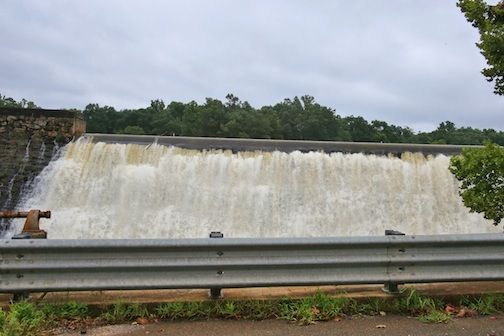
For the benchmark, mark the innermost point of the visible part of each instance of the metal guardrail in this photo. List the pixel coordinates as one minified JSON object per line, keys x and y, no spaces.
{"x":79,"y":265}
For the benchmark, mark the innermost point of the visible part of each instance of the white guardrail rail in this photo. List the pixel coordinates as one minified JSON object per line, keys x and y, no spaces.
{"x":40,"y":265}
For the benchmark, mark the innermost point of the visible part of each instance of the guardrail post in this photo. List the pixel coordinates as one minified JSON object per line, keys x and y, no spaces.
{"x":392,"y":287}
{"x":216,"y":292}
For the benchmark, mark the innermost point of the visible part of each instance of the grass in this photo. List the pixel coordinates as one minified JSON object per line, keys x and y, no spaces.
{"x":435,"y":316}
{"x":27,"y":318}
{"x":23,"y":318}
{"x":122,"y":312}
{"x":486,"y":304}
{"x":67,"y":310}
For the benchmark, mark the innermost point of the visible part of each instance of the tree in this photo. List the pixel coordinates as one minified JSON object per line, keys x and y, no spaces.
{"x":481,"y":172}
{"x":11,"y":102}
{"x":137,"y":130}
{"x":489,"y":20}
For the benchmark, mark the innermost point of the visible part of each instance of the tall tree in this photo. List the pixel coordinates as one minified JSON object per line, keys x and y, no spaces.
{"x":489,"y":20}
{"x":481,"y":172}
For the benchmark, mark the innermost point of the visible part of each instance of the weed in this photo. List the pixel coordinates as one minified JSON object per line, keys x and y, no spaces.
{"x":68,"y":310}
{"x":302,"y":311}
{"x":184,"y":310}
{"x":198,"y":309}
{"x":122,"y":312}
{"x":3,"y":316}
{"x":171,"y":310}
{"x":257,"y":310}
{"x":320,"y":307}
{"x":23,"y":319}
{"x":368,"y":307}
{"x":434,"y":316}
{"x":485,"y":305}
{"x":226,"y":309}
{"x":418,"y":304}
{"x":328,"y":307}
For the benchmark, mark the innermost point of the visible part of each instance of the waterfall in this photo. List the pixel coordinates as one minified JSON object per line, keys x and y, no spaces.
{"x":20,"y":171}
{"x":99,"y":190}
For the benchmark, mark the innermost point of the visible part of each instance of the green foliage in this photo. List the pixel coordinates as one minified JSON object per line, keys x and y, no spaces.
{"x":481,"y":172}
{"x":11,"y":102}
{"x":489,"y":20}
{"x":171,"y":310}
{"x":23,"y":319}
{"x":485,"y":305}
{"x":428,"y":310}
{"x":294,"y":119}
{"x":435,"y":316}
{"x":320,"y":307}
{"x":71,"y":309}
{"x":373,"y":306}
{"x":300,"y":118}
{"x":133,"y":130}
{"x":414,"y":303}
{"x":184,"y":310}
{"x":3,"y":316}
{"x":227,"y":309}
{"x":122,"y":312}
{"x":256,"y":310}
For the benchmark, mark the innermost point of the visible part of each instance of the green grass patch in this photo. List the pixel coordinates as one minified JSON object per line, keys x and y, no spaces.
{"x":67,"y":310}
{"x":435,"y":316}
{"x":27,"y":318}
{"x":123,"y":312}
{"x":23,"y":318}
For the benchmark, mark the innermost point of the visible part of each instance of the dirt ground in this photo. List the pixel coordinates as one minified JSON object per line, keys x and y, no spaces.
{"x":361,"y":326}
{"x":355,"y":292}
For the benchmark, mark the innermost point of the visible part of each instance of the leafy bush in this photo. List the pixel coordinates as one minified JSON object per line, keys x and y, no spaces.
{"x":481,"y":172}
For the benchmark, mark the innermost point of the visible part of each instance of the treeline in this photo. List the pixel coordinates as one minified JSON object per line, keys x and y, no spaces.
{"x":295,"y":119}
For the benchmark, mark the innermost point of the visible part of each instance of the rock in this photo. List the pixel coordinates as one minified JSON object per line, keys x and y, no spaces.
{"x":382,"y":313}
{"x":381,"y":326}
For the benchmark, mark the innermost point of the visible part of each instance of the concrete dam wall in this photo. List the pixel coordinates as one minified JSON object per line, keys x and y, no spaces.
{"x":266,"y":145}
{"x":29,"y":138}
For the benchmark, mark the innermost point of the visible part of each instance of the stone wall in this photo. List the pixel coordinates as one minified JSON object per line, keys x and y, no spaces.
{"x":29,"y":138}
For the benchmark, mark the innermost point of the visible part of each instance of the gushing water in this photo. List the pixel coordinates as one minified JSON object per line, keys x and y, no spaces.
{"x":132,"y":191}
{"x":10,"y":184}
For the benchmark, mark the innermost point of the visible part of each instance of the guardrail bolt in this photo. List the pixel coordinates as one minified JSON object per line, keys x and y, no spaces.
{"x":216,"y":234}
{"x":394,"y":233}
{"x":392,"y":287}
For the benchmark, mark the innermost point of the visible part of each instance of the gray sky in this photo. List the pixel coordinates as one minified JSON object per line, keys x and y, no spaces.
{"x":408,"y":62}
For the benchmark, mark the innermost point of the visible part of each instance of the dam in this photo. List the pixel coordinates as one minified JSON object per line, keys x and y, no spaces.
{"x":110,"y":186}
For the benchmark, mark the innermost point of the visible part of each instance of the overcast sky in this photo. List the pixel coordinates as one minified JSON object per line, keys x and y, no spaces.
{"x":408,"y":62}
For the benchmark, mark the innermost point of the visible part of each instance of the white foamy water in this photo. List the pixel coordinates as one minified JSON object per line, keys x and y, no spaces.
{"x":133,"y":191}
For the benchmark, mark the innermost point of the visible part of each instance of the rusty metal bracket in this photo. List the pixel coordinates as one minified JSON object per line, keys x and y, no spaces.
{"x":31,"y":228}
